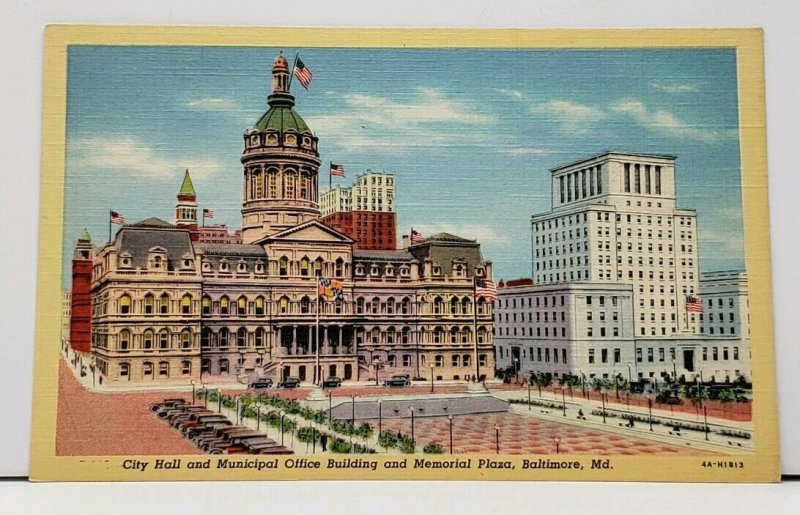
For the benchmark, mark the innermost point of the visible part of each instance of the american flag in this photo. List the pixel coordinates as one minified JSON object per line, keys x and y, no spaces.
{"x":693,"y":304}
{"x":208,"y":213}
{"x":337,"y":170}
{"x":302,"y":73}
{"x":416,"y":236}
{"x":485,"y":288}
{"x":116,"y":218}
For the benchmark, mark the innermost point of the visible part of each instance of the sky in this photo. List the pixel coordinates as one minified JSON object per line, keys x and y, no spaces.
{"x":469,"y":134}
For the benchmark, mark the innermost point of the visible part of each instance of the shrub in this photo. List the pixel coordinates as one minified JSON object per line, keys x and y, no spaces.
{"x":407,"y":445}
{"x":433,"y":448}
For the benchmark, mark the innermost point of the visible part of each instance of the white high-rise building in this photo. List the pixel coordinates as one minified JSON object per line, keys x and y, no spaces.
{"x":372,"y":191}
{"x":614,"y":220}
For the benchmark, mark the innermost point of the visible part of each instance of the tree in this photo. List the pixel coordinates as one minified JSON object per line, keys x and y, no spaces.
{"x":726,"y":397}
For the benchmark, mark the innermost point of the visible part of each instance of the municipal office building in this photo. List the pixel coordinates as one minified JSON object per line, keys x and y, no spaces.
{"x":157,"y":303}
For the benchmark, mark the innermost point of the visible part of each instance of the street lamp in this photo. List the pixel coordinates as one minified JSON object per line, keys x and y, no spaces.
{"x":413,"y":441}
{"x":497,"y":438}
{"x":583,"y":383}
{"x":92,"y":366}
{"x":603,"y":402}
{"x":283,"y":414}
{"x":330,"y":407}
{"x":193,"y":391}
{"x":705,"y":420}
{"x":516,"y":370}
{"x":353,"y":412}
{"x":650,"y":411}
{"x":563,"y":401}
{"x":432,"y":377}
{"x":674,"y":372}
{"x":557,"y":440}
{"x":258,"y":415}
{"x":450,"y":419}
{"x":380,"y":418}
{"x":219,"y":400}
{"x":529,"y":394}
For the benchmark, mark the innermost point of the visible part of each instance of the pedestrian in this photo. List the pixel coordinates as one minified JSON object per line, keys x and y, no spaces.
{"x":323,"y":441}
{"x":101,"y":380}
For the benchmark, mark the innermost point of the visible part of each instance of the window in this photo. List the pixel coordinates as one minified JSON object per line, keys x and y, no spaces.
{"x":439,"y":360}
{"x":591,"y":355}
{"x":617,"y":355}
{"x":304,"y":267}
{"x":164,"y":304}
{"x":604,"y":355}
{"x":283,"y":267}
{"x":224,"y":305}
{"x":147,"y":339}
{"x":638,"y":355}
{"x":241,"y":337}
{"x":283,"y":304}
{"x":125,"y":304}
{"x":186,"y":368}
{"x":650,"y":355}
{"x":124,"y":339}
{"x":259,"y":305}
{"x":186,"y":304}
{"x":186,"y":339}
{"x":149,"y":304}
{"x":224,"y":366}
{"x":223,"y":337}
{"x":163,"y":339}
{"x":163,"y":369}
{"x":406,"y":360}
{"x":124,"y":370}
{"x":206,"y":305}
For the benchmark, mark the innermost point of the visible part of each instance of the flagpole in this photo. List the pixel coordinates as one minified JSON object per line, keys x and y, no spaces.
{"x":316,"y":369}
{"x":291,"y":72}
{"x":330,"y":176}
{"x":203,"y":216}
{"x":109,"y":226}
{"x":475,"y":327}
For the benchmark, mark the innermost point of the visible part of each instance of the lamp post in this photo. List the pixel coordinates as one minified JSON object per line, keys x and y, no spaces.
{"x":193,"y":391}
{"x":205,"y":395}
{"x":697,"y":387}
{"x":529,"y":394}
{"x":377,"y":364}
{"x":236,"y":408}
{"x":563,"y":401}
{"x":450,"y":420}
{"x":603,"y":402}
{"x":650,"y":411}
{"x":413,"y":441}
{"x":380,"y":418}
{"x":557,"y":440}
{"x":330,"y":408}
{"x":258,"y":415}
{"x":705,"y":420}
{"x":674,"y":372}
{"x":516,"y":370}
{"x":92,"y":366}
{"x":583,"y":383}
{"x":432,"y":377}
{"x":283,"y":414}
{"x":219,"y":400}
{"x":497,"y":438}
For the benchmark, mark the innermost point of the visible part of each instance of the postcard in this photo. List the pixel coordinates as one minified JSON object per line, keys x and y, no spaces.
{"x":271,"y":253}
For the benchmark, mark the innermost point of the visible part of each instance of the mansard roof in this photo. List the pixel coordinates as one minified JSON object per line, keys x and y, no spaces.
{"x":140,"y":238}
{"x":445,"y":248}
{"x":231,"y":249}
{"x":382,"y":255}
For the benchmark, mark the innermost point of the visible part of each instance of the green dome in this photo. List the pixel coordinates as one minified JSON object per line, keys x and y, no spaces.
{"x":282,"y":118}
{"x":85,"y":236}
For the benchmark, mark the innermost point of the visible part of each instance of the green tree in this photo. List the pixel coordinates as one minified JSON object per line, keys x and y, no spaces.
{"x":726,"y":397}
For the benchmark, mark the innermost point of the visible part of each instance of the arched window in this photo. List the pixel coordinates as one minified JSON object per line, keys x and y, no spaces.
{"x":124,"y":339}
{"x":481,"y":334}
{"x":283,"y":306}
{"x":375,"y":307}
{"x":224,"y":305}
{"x":338,"y":269}
{"x":186,"y":339}
{"x":375,"y":335}
{"x":241,"y":305}
{"x":466,"y":332}
{"x":360,"y":305}
{"x":273,"y":181}
{"x":305,"y":305}
{"x":241,"y":337}
{"x":205,"y":337}
{"x":439,"y":360}
{"x":318,"y":267}
{"x":465,"y":305}
{"x":283,"y":266}
{"x":259,"y":305}
{"x":260,"y":337}
{"x":163,"y":339}
{"x":390,"y":305}
{"x":390,"y":335}
{"x":405,"y":306}
{"x":186,"y":304}
{"x":125,"y":304}
{"x":163,"y":369}
{"x":223,"y":337}
{"x":481,"y":306}
{"x":289,"y":184}
{"x":454,"y":306}
{"x":164,"y":304}
{"x":149,"y":304}
{"x":437,"y":335}
{"x":304,"y":186}
{"x":404,"y":335}
{"x":304,"y":267}
{"x":454,"y":335}
{"x":206,"y":305}
{"x":147,"y":339}
{"x":438,"y":304}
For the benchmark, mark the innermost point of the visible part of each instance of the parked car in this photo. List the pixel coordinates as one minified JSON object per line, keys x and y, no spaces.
{"x":332,"y":382}
{"x":289,"y":382}
{"x":167,"y":403}
{"x":398,"y":380}
{"x":207,"y":428}
{"x":261,"y":383}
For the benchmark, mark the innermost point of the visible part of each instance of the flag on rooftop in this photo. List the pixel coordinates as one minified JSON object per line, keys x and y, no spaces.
{"x":208,"y":213}
{"x":485,"y":288}
{"x":337,"y":170}
{"x":116,"y":218}
{"x":302,"y":73}
{"x":416,"y":236}
{"x":693,"y":304}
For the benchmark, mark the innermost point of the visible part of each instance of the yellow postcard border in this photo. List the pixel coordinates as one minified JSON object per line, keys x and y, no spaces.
{"x":762,"y":466}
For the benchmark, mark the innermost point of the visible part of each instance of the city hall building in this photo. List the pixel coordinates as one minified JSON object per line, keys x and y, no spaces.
{"x":616,"y":287}
{"x":162,"y":304}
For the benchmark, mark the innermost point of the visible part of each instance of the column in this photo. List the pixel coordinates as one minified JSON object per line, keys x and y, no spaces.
{"x":294,"y":339}
{"x":311,"y":343}
{"x":341,"y":332}
{"x":326,"y":347}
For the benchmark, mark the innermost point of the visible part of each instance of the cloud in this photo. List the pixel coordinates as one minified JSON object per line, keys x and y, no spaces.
{"x":128,"y":154}
{"x":672,"y":87}
{"x":573,"y":117}
{"x":213,"y":104}
{"x":512,"y":93}
{"x":379,"y":123}
{"x":666,"y":123}
{"x":524,"y":151}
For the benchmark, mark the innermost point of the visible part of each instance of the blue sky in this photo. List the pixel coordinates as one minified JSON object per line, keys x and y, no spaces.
{"x":470,"y":134}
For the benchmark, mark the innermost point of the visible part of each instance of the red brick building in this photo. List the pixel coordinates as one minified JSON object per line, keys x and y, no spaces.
{"x":80,"y":324}
{"x":372,"y":230}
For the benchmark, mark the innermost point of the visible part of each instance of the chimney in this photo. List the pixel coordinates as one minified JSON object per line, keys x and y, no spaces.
{"x":406,"y":241}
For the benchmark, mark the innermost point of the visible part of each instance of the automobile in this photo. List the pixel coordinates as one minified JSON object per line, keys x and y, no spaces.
{"x":169,"y":413}
{"x":167,"y":403}
{"x":207,"y":428}
{"x":260,"y":383}
{"x":332,"y":382}
{"x":176,"y":419}
{"x":289,"y":382}
{"x":398,"y":380}
{"x":200,"y":421}
{"x":222,"y":437}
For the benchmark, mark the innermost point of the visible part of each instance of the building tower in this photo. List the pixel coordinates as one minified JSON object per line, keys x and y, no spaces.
{"x":80,"y":325}
{"x":281,"y":165}
{"x":186,"y":207}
